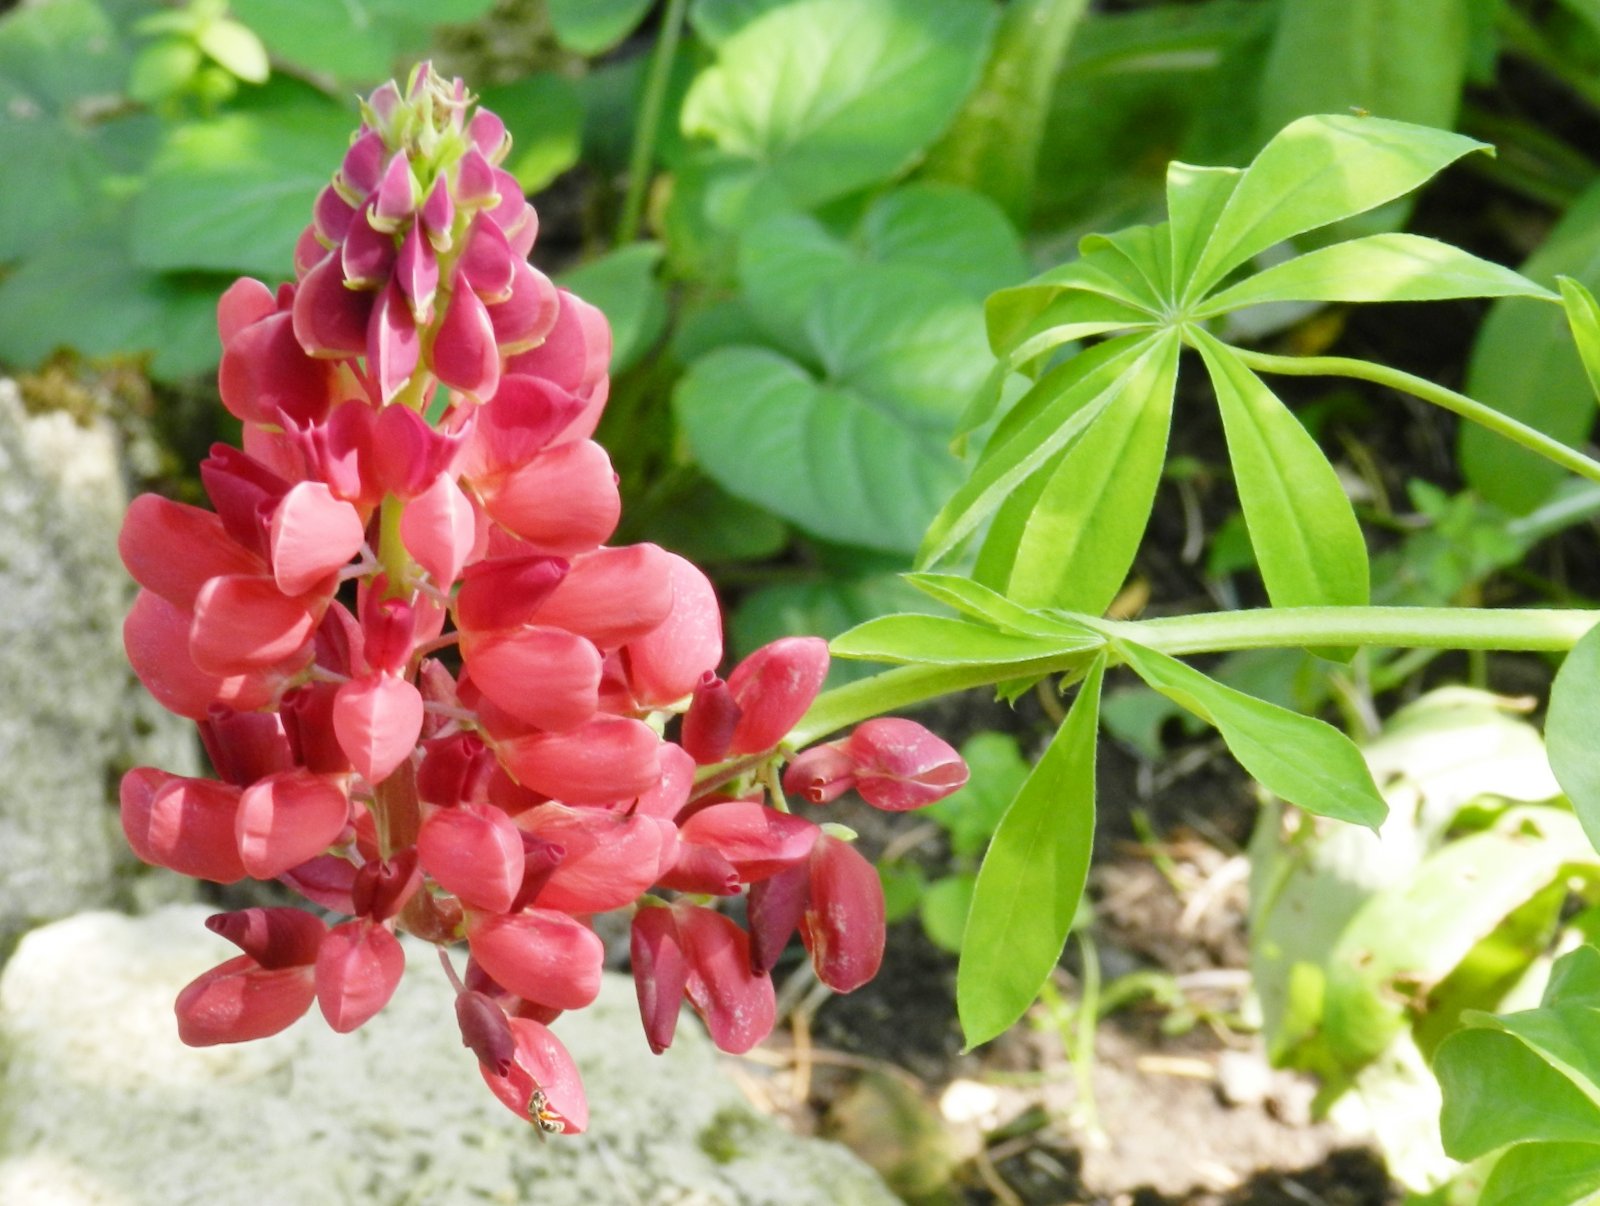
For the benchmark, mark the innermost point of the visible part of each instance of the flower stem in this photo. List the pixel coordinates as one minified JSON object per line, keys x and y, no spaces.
{"x":1485,"y":416}
{"x":1541,"y":629}
{"x":644,"y":138}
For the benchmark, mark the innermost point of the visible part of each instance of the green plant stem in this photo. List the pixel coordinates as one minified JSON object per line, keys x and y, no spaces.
{"x":644,"y":137}
{"x":1485,"y":416}
{"x":1535,"y":629}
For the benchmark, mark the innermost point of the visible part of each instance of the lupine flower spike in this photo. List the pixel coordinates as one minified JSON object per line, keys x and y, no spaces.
{"x":433,"y":696}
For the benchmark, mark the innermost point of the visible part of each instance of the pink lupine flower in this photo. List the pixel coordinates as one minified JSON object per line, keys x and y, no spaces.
{"x":504,"y":795}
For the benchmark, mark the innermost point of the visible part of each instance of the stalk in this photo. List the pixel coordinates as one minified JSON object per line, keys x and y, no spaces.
{"x":644,"y":139}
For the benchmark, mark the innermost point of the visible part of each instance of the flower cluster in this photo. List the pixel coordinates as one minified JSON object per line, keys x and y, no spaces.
{"x":434,"y":698}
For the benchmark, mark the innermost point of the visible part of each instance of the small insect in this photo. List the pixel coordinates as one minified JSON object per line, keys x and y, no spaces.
{"x":1358,"y":111}
{"x":539,"y":1111}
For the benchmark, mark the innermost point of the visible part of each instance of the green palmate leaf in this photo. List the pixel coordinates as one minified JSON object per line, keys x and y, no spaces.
{"x":1376,"y":268}
{"x":1406,"y":939}
{"x":1196,"y":197}
{"x":994,"y":144}
{"x":975,"y":599}
{"x":1302,"y":760}
{"x":1139,"y":256}
{"x":1402,"y":59}
{"x":1032,"y":878}
{"x":1012,"y":315}
{"x":234,"y":194}
{"x":944,"y":641}
{"x":1545,"y":1174}
{"x":624,"y":285}
{"x":830,"y":95}
{"x":1569,"y":731}
{"x":1306,"y":538}
{"x":1583,"y":319}
{"x":1315,"y":171}
{"x":592,"y":26}
{"x":1524,"y":365}
{"x":544,"y":115}
{"x":1074,"y":546}
{"x":1053,"y":414}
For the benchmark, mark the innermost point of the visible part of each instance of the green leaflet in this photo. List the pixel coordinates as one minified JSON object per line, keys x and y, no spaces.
{"x":1032,"y":878}
{"x":1306,"y":538}
{"x":1298,"y":758}
{"x":1079,"y":538}
{"x":944,"y":641}
{"x":1195,"y":198}
{"x":1569,"y":731}
{"x":1012,"y":314}
{"x":1583,"y":320}
{"x":1315,"y":171}
{"x":1545,"y":1174}
{"x":975,"y":599}
{"x":1376,"y":268}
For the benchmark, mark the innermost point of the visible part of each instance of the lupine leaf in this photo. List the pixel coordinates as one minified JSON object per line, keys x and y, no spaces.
{"x":1145,"y":255}
{"x":1569,"y":731}
{"x":1195,"y":198}
{"x":1376,"y":268}
{"x":1304,"y":531}
{"x":1295,"y":757}
{"x":831,"y":95}
{"x":1524,"y":364}
{"x":1012,"y":314}
{"x":1315,"y":171}
{"x":1053,"y":414}
{"x":1583,"y":319}
{"x":945,"y":641}
{"x":975,"y":599}
{"x":1032,"y":877}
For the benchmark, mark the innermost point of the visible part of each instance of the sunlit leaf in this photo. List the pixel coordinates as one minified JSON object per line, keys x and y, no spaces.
{"x":1569,"y":731}
{"x":1583,"y":319}
{"x":944,"y":641}
{"x":1032,"y":877}
{"x":974,"y":599}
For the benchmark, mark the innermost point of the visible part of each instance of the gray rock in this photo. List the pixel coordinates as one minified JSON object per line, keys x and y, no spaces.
{"x":72,"y":716}
{"x":101,"y":1104}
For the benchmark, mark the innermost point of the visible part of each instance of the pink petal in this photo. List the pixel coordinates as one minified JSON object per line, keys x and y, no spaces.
{"x":576,"y":351}
{"x":185,"y":825}
{"x":666,"y":663}
{"x":612,"y":595}
{"x":244,"y":746}
{"x":465,"y":355}
{"x":528,"y":312}
{"x":524,"y":417}
{"x":378,"y":720}
{"x":358,"y":969}
{"x":775,"y":907}
{"x":326,"y":880}
{"x":417,"y":270}
{"x":264,"y":370}
{"x":820,"y":775}
{"x":610,"y":860}
{"x":393,"y":346}
{"x":486,"y":265}
{"x":543,"y":676}
{"x":606,"y":760}
{"x":542,"y":1067}
{"x":286,"y":819}
{"x":439,"y":215}
{"x":383,"y":887}
{"x":843,"y":926}
{"x":363,"y":163}
{"x":659,"y":974}
{"x":758,"y":840}
{"x":699,"y":870}
{"x":737,"y":1005}
{"x":541,"y":955}
{"x":173,"y":549}
{"x":773,"y":688}
{"x":563,"y":501}
{"x":709,"y":723}
{"x":314,"y":534}
{"x":244,"y":623}
{"x":244,"y":303}
{"x":505,"y":592}
{"x":155,"y":637}
{"x":238,"y":1001}
{"x":666,"y":797}
{"x":397,"y":195}
{"x":475,"y":852}
{"x":488,"y":134}
{"x":438,"y":529}
{"x":332,"y":216}
{"x":329,"y":319}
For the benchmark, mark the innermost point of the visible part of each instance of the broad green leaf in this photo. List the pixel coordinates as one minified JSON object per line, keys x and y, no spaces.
{"x":233,"y":194}
{"x":544,"y":116}
{"x":944,"y":909}
{"x":1318,"y":170}
{"x":593,"y":26}
{"x":1046,"y":420}
{"x":944,"y":641}
{"x":162,"y":68}
{"x":623,"y":284}
{"x":1545,"y":1174}
{"x":960,"y":235}
{"x":1079,"y":538}
{"x":236,"y":48}
{"x":1524,"y":365}
{"x":785,"y":260}
{"x":1376,"y":268}
{"x":1583,"y":319}
{"x":84,"y":293}
{"x":1575,"y":979}
{"x":976,"y":600}
{"x":1295,"y":757}
{"x":718,"y":20}
{"x":1195,"y":198}
{"x":1497,"y":1090}
{"x":351,"y":41}
{"x":1569,"y":731}
{"x":1401,"y":59}
{"x":970,"y":815}
{"x":1306,"y":538}
{"x":830,"y":95}
{"x":994,"y":144}
{"x":1032,"y":878}
{"x":1405,"y":940}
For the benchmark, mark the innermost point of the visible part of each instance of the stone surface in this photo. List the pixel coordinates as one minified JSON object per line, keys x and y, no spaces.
{"x":100,"y":1103}
{"x":72,"y":716}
